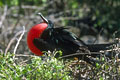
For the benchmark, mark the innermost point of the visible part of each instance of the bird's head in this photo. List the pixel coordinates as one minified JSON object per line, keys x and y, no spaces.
{"x":36,"y":32}
{"x":49,"y":22}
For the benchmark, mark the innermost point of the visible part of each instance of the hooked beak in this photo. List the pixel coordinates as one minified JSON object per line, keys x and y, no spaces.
{"x":43,"y":18}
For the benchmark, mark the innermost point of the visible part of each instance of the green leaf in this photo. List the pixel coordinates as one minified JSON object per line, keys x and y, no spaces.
{"x":14,"y":2}
{"x":1,"y":4}
{"x":44,"y":1}
{"x":101,"y":78}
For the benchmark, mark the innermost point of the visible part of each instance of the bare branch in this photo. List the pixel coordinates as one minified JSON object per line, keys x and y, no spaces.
{"x":11,"y":41}
{"x":18,"y":42}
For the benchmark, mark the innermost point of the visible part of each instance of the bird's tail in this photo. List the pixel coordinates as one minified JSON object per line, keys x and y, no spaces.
{"x":92,"y":50}
{"x":98,"y":47}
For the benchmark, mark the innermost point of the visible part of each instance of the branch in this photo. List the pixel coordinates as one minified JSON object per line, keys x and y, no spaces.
{"x":11,"y":41}
{"x":18,"y":42}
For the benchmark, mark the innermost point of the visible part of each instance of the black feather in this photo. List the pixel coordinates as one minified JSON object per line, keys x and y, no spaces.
{"x":61,"y":39}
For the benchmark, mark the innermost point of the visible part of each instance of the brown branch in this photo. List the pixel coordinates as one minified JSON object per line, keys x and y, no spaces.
{"x":24,"y":55}
{"x":75,"y":54}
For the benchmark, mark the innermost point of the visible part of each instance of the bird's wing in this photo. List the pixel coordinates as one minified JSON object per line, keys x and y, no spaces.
{"x":42,"y":45}
{"x":75,"y":41}
{"x":66,"y":41}
{"x":66,"y":36}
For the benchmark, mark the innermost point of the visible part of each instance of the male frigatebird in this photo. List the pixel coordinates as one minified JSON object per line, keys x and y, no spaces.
{"x":44,"y":36}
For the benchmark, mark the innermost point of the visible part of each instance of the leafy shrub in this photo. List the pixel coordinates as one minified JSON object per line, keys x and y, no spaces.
{"x":38,"y":68}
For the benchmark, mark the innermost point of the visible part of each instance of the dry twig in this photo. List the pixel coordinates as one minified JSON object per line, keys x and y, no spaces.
{"x":19,"y":41}
{"x":11,"y":41}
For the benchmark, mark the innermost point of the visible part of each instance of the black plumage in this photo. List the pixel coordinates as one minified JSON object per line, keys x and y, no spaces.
{"x":61,"y":39}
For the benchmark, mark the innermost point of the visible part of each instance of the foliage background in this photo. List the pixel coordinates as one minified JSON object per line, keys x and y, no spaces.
{"x":85,"y":18}
{"x":94,"y":21}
